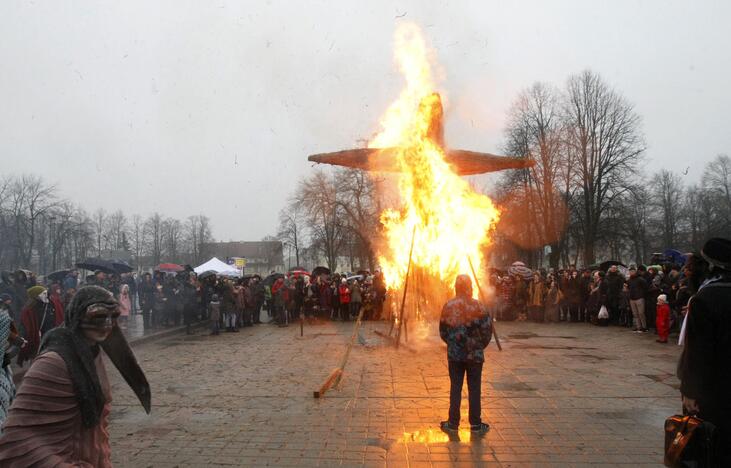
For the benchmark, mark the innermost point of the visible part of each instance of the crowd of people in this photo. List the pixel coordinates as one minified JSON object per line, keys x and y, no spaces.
{"x":641,"y":298}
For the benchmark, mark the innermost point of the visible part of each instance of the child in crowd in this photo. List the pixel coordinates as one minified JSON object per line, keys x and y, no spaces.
{"x":214,"y":312}
{"x":662,"y":318}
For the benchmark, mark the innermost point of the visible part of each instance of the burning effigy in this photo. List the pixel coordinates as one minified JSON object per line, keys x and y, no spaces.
{"x":441,"y":226}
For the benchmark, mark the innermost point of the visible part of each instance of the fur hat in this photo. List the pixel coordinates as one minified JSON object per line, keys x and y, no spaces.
{"x":662,"y":299}
{"x":35,"y":291}
{"x":717,"y":252}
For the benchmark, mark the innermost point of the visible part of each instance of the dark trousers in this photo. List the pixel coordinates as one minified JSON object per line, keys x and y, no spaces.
{"x":146,"y":311}
{"x":457,"y":371}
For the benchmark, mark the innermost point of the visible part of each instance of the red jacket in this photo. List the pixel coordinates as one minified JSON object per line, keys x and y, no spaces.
{"x":31,"y":327}
{"x":344,"y":293}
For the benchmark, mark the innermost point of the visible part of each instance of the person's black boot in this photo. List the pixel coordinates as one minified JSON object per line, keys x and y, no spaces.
{"x":479,"y":429}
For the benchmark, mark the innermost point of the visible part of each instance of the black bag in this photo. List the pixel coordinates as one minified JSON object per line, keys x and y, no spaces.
{"x":689,"y":442}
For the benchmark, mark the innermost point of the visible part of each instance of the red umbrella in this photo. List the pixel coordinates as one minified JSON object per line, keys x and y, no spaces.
{"x":169,"y":267}
{"x":298,"y":273}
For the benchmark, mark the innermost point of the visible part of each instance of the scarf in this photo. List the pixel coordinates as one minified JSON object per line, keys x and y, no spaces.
{"x":79,"y":358}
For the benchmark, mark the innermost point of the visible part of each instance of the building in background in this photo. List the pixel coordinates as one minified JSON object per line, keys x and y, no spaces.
{"x":261,"y":256}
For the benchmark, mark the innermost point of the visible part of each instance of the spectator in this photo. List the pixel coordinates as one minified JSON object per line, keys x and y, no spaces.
{"x":637,"y":293}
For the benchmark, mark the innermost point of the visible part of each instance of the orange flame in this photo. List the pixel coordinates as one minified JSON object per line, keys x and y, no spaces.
{"x":451,"y":221}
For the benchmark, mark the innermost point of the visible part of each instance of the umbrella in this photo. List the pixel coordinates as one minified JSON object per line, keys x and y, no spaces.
{"x":94,"y":264}
{"x":121,"y":266}
{"x":206,"y":274}
{"x":298,"y":268}
{"x":321,"y":270}
{"x":58,"y":275}
{"x":298,"y":273}
{"x":675,"y":256}
{"x":355,"y":277}
{"x":519,"y":268}
{"x":604,"y":266}
{"x":269,"y":280}
{"x":169,"y":267}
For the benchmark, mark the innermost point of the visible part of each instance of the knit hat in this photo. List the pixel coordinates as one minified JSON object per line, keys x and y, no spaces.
{"x":662,"y":299}
{"x":717,"y":252}
{"x":35,"y":291}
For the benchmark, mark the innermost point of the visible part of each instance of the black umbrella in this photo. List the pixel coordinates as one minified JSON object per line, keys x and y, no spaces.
{"x":58,"y":275}
{"x":604,"y":266}
{"x":269,"y":280}
{"x":94,"y":264}
{"x":206,"y":274}
{"x":321,"y":270}
{"x":120,"y":266}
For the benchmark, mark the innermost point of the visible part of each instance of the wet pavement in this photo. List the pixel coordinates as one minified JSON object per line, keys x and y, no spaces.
{"x":558,"y":395}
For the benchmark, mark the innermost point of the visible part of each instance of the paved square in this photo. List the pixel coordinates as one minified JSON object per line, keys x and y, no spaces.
{"x":558,"y":395}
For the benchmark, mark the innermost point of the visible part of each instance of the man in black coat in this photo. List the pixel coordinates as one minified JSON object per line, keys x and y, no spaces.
{"x":615,"y":281}
{"x":705,"y":364}
{"x":637,"y":293}
{"x":146,"y":294}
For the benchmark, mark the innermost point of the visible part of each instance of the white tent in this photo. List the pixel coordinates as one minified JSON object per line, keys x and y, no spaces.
{"x":219,"y":267}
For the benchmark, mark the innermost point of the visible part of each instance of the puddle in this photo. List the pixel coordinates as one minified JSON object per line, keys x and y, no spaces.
{"x":511,"y":386}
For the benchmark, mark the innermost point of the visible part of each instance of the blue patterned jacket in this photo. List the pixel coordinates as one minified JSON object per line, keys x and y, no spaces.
{"x":466,"y":327}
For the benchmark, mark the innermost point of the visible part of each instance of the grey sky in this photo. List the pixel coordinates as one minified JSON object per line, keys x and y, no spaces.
{"x":212,"y":107}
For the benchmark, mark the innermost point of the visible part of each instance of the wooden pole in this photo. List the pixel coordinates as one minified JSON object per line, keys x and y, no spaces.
{"x":406,"y":288}
{"x":482,"y":298}
{"x":334,"y":378}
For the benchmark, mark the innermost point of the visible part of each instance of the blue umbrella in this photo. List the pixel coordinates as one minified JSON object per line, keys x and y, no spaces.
{"x":675,"y":256}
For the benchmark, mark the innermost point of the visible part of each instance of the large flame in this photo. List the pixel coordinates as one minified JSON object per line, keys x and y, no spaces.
{"x":449,"y":221}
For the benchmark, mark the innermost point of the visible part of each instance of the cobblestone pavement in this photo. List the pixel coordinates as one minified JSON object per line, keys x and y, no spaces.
{"x":558,"y":395}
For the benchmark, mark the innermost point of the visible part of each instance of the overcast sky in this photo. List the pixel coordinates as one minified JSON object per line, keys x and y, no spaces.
{"x":212,"y":106}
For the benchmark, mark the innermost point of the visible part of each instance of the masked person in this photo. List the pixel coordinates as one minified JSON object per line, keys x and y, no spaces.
{"x":38,"y":317}
{"x":466,"y":327}
{"x":60,"y":416}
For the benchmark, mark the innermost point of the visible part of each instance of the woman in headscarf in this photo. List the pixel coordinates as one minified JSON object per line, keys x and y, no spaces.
{"x":60,"y":414}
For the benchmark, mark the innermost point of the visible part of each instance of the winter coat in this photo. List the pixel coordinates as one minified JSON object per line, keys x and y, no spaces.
{"x":344,"y":294}
{"x":637,"y":287}
{"x":536,"y":292}
{"x":355,"y":295}
{"x":466,"y":327}
{"x":520,"y":293}
{"x":705,"y":363}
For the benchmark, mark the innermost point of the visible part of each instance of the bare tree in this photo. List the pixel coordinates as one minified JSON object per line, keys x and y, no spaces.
{"x":319,"y":197}
{"x":604,"y":138}
{"x":172,"y":238}
{"x":197,"y":232}
{"x":291,"y":229}
{"x":30,"y":198}
{"x":667,"y":195}
{"x":717,"y":180}
{"x":115,"y":231}
{"x":535,"y":131}
{"x":153,"y":237}
{"x":358,"y":201}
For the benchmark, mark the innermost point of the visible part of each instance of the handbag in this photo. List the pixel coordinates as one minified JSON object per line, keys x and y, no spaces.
{"x":689,"y":442}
